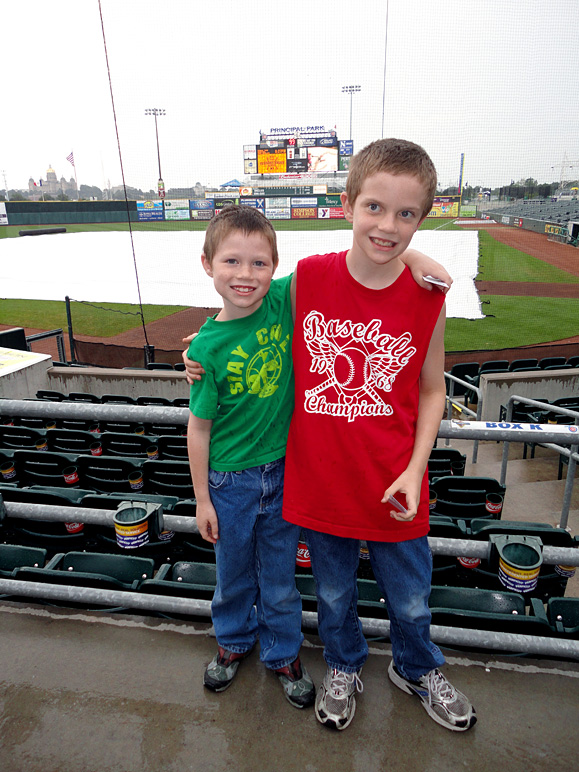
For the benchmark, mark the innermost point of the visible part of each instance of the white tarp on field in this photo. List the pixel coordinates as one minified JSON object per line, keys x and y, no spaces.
{"x":98,"y":267}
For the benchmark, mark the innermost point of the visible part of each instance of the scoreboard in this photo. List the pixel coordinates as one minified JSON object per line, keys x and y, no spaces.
{"x":297,"y":150}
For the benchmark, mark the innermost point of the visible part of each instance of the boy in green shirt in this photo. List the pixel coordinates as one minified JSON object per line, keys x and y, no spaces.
{"x":237,"y":433}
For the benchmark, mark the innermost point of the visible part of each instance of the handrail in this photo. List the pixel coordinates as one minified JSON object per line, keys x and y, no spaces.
{"x":463,"y":408}
{"x":58,"y":334}
{"x":573,"y":457}
{"x":57,"y":513}
{"x":172,"y":604}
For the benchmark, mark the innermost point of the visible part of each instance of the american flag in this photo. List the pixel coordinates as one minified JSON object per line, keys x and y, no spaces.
{"x":70,"y":158}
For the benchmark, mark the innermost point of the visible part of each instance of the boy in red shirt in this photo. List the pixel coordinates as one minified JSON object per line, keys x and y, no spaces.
{"x":368,"y":356}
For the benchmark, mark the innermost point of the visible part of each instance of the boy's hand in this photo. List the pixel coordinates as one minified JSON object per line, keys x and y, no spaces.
{"x":410,"y":487}
{"x":207,"y":522}
{"x":193,"y":370}
{"x":421,"y":265}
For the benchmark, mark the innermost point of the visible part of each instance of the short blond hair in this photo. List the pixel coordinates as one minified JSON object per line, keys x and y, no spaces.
{"x":246,"y":219}
{"x":395,"y":156}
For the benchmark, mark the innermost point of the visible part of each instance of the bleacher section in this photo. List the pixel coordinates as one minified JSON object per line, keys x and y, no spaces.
{"x":98,"y":465}
{"x":543,"y":209}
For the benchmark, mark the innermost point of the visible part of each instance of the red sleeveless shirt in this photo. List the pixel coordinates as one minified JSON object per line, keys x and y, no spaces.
{"x":357,"y":354}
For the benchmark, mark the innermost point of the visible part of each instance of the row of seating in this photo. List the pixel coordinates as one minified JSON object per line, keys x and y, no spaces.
{"x":523,"y":413}
{"x":55,"y":536}
{"x":115,"y":399}
{"x":465,"y":607}
{"x":92,"y":425}
{"x":103,"y":474}
{"x":472,"y":371}
{"x":467,"y":497}
{"x":110,"y":443}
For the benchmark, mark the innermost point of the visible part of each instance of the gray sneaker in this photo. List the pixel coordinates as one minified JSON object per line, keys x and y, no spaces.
{"x":443,"y":703}
{"x":297,"y":684}
{"x":336,"y":698}
{"x":221,"y":671}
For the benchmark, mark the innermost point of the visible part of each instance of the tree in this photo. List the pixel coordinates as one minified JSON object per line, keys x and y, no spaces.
{"x":91,"y":191}
{"x":17,"y":195}
{"x":62,"y":197}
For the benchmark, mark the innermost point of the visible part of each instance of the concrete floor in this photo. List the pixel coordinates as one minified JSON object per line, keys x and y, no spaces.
{"x":96,"y":692}
{"x":87,"y":692}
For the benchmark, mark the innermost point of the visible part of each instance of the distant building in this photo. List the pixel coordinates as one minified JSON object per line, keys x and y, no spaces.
{"x":52,"y":186}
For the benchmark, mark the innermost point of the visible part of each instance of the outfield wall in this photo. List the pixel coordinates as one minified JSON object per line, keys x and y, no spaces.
{"x":289,"y":204}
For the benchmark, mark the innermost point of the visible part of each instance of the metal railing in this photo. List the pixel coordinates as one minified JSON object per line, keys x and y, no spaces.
{"x":449,"y":429}
{"x":450,"y":404}
{"x":572,"y":456}
{"x":451,"y":636}
{"x":58,"y":334}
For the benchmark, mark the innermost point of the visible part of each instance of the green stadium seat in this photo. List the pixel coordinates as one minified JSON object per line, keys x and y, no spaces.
{"x":13,"y":556}
{"x":563,"y":615}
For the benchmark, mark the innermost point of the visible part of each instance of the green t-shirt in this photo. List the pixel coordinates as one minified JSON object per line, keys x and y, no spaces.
{"x":248,"y":386}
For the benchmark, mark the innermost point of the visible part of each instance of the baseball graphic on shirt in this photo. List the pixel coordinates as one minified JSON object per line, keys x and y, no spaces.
{"x":351,"y":369}
{"x":358,"y":364}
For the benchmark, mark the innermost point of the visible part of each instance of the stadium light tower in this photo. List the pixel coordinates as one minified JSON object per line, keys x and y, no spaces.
{"x":155,"y":111}
{"x":351,"y":90}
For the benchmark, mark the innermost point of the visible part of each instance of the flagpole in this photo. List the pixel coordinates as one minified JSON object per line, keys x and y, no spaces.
{"x":70,"y":159}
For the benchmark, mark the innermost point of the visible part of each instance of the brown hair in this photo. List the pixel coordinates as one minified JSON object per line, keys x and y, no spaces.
{"x":246,"y":219}
{"x":395,"y":156}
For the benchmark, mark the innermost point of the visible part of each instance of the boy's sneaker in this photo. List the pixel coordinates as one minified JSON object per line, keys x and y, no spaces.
{"x":445,"y":704}
{"x":221,"y":671}
{"x":297,"y":684}
{"x":336,"y":699}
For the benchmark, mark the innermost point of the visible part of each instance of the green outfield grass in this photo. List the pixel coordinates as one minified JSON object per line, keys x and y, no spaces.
{"x":509,"y":321}
{"x":514,"y":321}
{"x":87,"y":319}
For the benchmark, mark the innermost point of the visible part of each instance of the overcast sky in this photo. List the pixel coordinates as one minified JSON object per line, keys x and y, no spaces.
{"x":496,"y":80}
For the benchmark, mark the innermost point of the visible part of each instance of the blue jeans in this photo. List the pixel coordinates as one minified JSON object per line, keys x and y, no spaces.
{"x":403,"y":573}
{"x":256,"y":591}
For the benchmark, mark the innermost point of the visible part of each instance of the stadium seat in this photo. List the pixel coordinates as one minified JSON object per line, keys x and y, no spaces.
{"x":20,"y":437}
{"x":81,"y":396}
{"x":172,"y":447}
{"x":171,"y":478}
{"x":563,"y":615}
{"x":124,"y":444}
{"x":102,"y":538}
{"x":551,"y":361}
{"x":156,"y":401}
{"x":91,"y":569}
{"x":118,"y":399}
{"x":496,"y":610}
{"x":523,"y":413}
{"x":159,"y":366}
{"x":445,"y":461}
{"x":464,"y":498}
{"x":459,"y":370}
{"x":573,"y":361}
{"x":34,"y":468}
{"x":13,"y":556}
{"x":155,"y":430}
{"x":70,"y":440}
{"x":49,"y":395}
{"x":124,"y":427}
{"x":107,"y":474}
{"x":52,"y":536}
{"x":523,"y":364}
{"x":181,"y":402}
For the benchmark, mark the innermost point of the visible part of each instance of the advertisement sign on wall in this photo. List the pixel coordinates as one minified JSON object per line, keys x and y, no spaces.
{"x":150,"y":210}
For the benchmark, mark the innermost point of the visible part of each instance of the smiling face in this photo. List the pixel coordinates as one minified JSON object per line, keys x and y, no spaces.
{"x":242,"y":269}
{"x":385,"y":216}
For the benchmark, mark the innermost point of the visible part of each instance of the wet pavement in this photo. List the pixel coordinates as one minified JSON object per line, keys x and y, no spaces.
{"x":96,"y":692}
